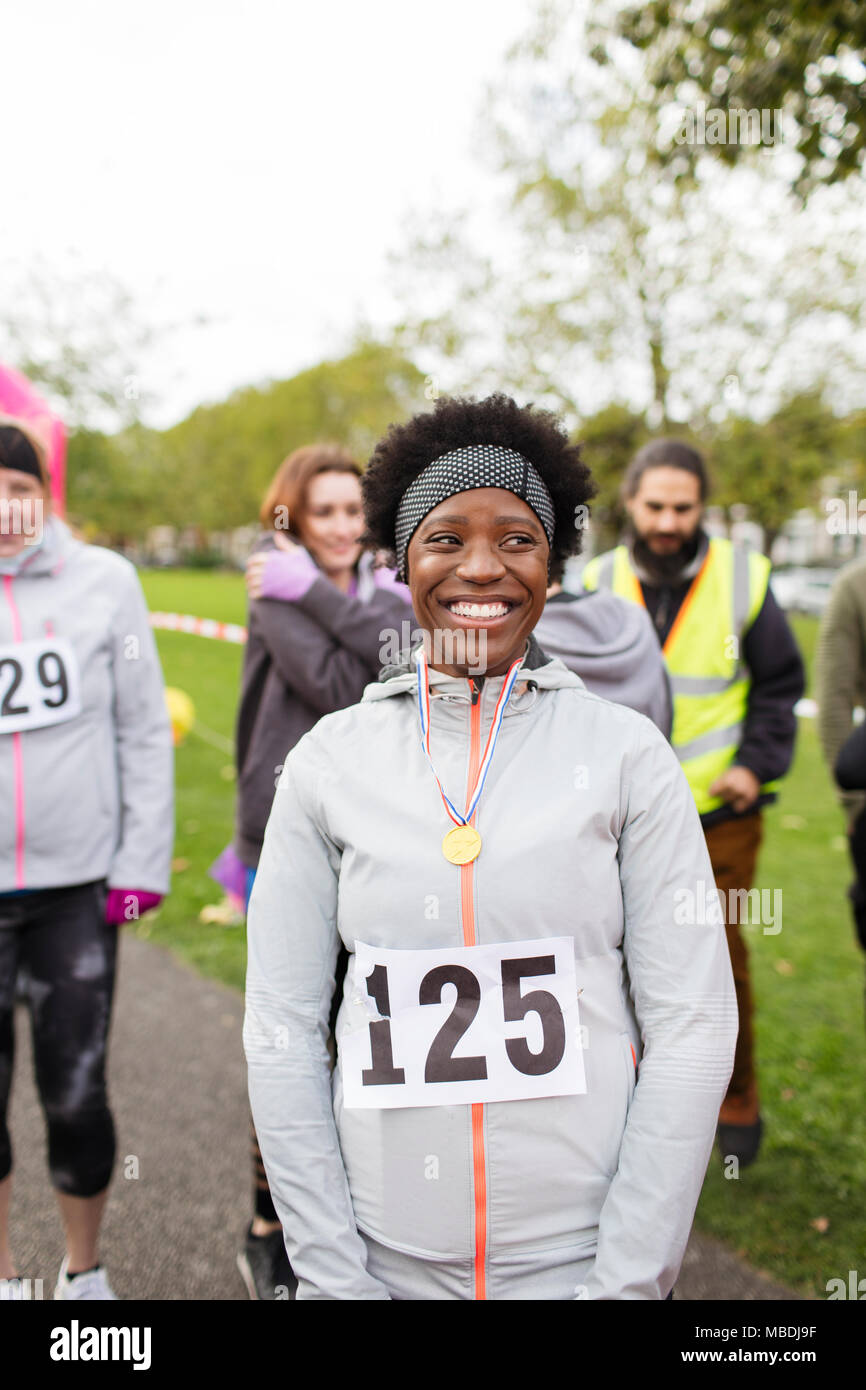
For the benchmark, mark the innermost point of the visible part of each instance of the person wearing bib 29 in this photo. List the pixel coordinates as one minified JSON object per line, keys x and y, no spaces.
{"x":531,"y":1053}
{"x":86,"y":829}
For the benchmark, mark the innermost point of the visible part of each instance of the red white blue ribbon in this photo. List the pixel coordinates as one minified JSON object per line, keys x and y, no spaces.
{"x":424,"y":716}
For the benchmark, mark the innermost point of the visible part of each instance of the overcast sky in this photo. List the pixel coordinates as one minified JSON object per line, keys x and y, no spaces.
{"x":252,"y":162}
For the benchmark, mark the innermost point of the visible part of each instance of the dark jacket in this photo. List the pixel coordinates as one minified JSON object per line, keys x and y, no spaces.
{"x":840,"y":671}
{"x":302,"y":660}
{"x":850,"y":766}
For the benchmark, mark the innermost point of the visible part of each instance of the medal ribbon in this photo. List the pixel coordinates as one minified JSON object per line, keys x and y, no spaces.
{"x":498,"y":713}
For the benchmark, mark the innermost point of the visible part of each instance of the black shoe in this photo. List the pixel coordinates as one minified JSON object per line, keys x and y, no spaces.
{"x":265,"y":1268}
{"x":740,"y":1141}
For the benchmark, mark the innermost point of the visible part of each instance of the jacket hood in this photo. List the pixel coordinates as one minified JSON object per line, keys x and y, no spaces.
{"x":539,"y":672}
{"x":612,"y":645}
{"x":594,"y":626}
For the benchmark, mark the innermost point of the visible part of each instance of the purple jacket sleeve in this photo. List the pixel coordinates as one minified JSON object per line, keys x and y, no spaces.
{"x":310,"y":662}
{"x":288,"y":576}
{"x":359,"y":627}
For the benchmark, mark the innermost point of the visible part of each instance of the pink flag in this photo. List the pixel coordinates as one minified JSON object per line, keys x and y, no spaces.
{"x":20,"y":399}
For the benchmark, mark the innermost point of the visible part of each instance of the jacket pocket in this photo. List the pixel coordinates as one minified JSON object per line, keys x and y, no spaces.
{"x":410,"y":1176}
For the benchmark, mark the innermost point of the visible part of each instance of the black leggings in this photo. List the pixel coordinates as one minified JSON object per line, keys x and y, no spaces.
{"x":58,"y":939}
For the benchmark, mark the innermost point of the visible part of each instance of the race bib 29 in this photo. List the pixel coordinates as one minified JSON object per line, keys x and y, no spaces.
{"x":39,"y":684}
{"x":452,"y":1026}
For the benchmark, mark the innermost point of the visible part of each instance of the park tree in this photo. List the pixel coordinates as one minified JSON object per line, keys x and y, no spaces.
{"x":687,"y":302}
{"x":804,"y":58}
{"x":767,"y":469}
{"x":211,"y":470}
{"x":609,"y":439}
{"x":774,"y":468}
{"x":78,"y":335}
{"x":850,"y":452}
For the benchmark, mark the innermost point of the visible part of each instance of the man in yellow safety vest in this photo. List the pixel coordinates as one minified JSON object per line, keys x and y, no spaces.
{"x":736,"y":675}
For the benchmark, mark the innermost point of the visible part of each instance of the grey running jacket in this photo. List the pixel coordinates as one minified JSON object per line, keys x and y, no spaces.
{"x":589,"y":831}
{"x":92,"y":797}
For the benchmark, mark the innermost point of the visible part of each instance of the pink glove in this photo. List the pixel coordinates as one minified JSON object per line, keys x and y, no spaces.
{"x":288,"y":575}
{"x":385,"y":578}
{"x":127,"y":905}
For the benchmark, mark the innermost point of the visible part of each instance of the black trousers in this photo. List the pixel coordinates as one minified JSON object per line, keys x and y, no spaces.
{"x":58,"y":942}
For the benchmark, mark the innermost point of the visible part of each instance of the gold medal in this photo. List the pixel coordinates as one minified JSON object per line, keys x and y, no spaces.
{"x":462,"y":844}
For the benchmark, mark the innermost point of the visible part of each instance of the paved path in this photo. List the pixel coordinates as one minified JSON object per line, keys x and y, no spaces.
{"x":178,"y":1089}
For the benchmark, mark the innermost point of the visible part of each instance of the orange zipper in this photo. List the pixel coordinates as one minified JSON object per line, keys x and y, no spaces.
{"x":479,"y":1171}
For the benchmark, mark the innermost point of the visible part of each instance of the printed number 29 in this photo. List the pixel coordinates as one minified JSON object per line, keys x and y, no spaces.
{"x":48,"y":677}
{"x":441,"y":1064}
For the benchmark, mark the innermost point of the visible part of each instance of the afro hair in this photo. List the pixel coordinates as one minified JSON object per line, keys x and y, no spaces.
{"x":455,"y":421}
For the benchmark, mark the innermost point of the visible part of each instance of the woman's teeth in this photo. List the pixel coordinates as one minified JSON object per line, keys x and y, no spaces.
{"x":480,"y":610}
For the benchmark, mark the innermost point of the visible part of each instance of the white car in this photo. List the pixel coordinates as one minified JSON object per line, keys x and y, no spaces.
{"x":803,"y":590}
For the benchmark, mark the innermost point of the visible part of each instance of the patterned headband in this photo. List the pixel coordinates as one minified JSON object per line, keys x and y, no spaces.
{"x":461,"y":470}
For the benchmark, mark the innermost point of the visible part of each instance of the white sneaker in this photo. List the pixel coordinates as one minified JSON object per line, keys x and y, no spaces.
{"x":92,"y":1285}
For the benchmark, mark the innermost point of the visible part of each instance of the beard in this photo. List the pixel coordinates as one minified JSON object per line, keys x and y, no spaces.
{"x":665,"y":569}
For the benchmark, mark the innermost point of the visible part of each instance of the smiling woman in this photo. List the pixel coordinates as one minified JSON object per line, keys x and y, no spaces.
{"x":529,"y":1064}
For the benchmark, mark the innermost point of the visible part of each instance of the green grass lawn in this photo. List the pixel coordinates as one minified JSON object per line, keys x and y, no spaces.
{"x":209,"y":672}
{"x":800,"y":1212}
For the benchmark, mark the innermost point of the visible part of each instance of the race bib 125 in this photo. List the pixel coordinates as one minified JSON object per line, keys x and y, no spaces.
{"x":452,"y":1026}
{"x":39,"y":684}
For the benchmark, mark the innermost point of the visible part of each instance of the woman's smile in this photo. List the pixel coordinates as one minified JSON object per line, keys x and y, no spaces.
{"x":478,"y":611}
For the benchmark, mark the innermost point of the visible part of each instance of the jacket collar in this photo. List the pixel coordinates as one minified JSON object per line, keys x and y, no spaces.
{"x":537,"y":671}
{"x":58,"y":545}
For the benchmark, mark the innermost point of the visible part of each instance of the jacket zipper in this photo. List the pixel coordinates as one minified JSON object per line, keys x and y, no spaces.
{"x":17,"y":754}
{"x":479,"y":1169}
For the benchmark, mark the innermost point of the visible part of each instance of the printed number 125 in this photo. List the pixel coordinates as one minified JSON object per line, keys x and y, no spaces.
{"x":441,"y":1065}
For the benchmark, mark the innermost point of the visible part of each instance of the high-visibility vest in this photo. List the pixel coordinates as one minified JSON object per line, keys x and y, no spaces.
{"x":703,"y":652}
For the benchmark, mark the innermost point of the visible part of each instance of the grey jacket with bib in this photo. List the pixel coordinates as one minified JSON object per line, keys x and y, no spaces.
{"x":93,"y":796}
{"x":589,"y":831}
